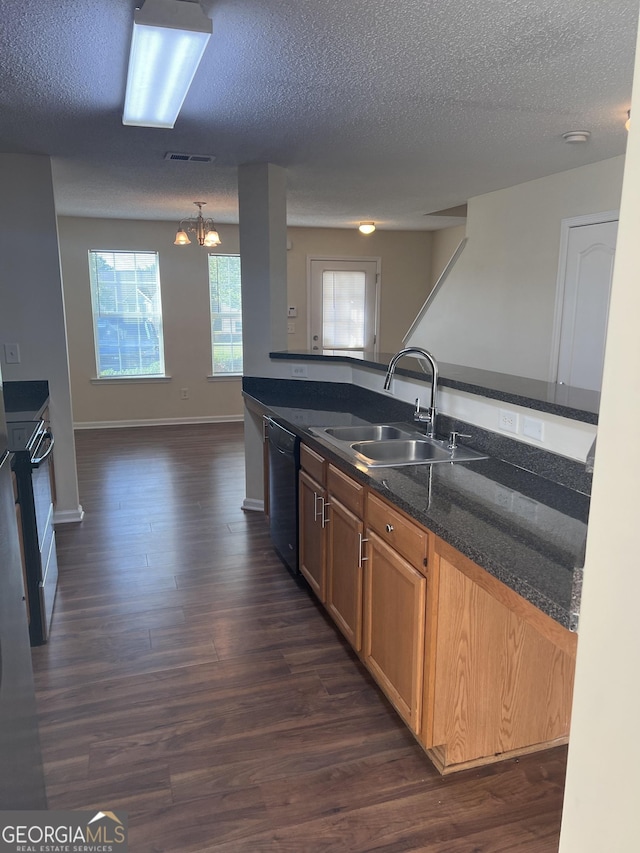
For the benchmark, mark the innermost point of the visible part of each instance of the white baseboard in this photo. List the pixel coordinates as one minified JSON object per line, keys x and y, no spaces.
{"x":68,"y":516}
{"x":211,"y":419}
{"x":252,"y":505}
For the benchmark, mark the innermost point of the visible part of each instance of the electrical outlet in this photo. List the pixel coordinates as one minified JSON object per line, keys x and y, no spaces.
{"x":299,"y":370}
{"x":291,"y":327}
{"x":533,"y":428}
{"x":184,"y":393}
{"x":508,"y":421}
{"x":12,"y":353}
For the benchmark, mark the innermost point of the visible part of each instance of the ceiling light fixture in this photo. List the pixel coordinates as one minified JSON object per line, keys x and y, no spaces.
{"x":627,"y":123}
{"x":169,"y":38}
{"x":576,"y":136}
{"x":204,"y":229}
{"x":367,"y":227}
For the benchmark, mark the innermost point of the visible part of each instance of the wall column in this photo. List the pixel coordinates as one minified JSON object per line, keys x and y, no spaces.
{"x":602,"y":789}
{"x":32,"y":305}
{"x":263,"y":257}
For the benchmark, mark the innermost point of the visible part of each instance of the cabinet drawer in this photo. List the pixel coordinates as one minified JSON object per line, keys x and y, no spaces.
{"x":313,"y":464}
{"x":405,"y":536}
{"x":348,"y":492}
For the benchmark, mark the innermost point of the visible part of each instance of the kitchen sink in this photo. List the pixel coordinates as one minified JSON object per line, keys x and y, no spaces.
{"x":400,"y":452}
{"x":393,"y":445}
{"x":374,"y":432}
{"x":414,"y":451}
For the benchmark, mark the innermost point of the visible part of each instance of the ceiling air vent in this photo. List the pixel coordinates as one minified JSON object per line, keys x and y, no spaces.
{"x":189,"y":158}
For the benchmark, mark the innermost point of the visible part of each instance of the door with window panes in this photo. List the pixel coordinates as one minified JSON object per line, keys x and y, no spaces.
{"x":343,"y":298}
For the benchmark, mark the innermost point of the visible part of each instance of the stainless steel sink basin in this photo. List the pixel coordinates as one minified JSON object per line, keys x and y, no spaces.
{"x":414,"y":451}
{"x":374,"y":432}
{"x":393,"y":445}
{"x":400,"y":452}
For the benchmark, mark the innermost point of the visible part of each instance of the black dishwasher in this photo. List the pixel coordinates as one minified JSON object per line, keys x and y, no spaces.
{"x":284,"y":463}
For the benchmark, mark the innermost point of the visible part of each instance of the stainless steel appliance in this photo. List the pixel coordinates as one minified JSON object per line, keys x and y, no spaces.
{"x":21,"y":777}
{"x":32,"y":444}
{"x":284,"y":464}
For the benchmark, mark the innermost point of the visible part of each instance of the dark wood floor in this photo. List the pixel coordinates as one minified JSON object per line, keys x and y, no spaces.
{"x":191,"y":683}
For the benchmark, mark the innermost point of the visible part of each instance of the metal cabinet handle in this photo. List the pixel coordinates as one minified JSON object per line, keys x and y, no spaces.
{"x":315,"y":506}
{"x":325,"y":518}
{"x":361,"y":557}
{"x":389,"y":528}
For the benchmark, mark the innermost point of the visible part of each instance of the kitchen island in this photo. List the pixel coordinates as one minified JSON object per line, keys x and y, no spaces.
{"x":477,"y":651}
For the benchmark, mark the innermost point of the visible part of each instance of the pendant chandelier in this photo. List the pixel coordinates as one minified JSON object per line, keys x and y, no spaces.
{"x":204,"y":229}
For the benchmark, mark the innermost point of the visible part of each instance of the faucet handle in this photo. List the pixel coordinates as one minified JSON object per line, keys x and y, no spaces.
{"x":453,"y":438}
{"x":419,"y":415}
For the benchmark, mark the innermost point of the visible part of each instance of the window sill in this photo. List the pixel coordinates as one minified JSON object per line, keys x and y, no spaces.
{"x":107,"y":380}
{"x":224,"y":377}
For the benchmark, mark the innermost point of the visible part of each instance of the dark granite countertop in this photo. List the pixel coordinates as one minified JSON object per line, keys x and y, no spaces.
{"x":25,"y":400}
{"x":527,"y":531}
{"x":578,"y":404}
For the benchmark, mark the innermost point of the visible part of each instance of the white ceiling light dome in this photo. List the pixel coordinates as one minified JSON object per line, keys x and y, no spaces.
{"x":576,"y":136}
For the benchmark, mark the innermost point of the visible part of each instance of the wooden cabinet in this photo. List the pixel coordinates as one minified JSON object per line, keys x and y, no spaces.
{"x":478,"y":673}
{"x":502,"y":671}
{"x":313,"y":521}
{"x":331,"y":540}
{"x":394,"y":608}
{"x":345,"y":531}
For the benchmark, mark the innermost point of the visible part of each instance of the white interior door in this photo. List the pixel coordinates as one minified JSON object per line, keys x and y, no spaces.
{"x":585,"y":304}
{"x":343,"y":299}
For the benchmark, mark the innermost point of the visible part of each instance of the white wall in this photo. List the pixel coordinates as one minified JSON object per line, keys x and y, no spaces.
{"x":602,"y":788}
{"x":185,"y":305}
{"x":496,"y":309}
{"x":445,"y":242}
{"x":406,"y":259}
{"x":32,"y":306}
{"x":405,"y":273}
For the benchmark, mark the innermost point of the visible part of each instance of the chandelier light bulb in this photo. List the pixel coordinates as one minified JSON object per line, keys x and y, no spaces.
{"x":204,"y":229}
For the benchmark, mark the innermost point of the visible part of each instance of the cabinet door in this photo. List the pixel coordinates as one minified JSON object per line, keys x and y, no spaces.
{"x":503,"y":671}
{"x":344,"y":571}
{"x":394,"y":616}
{"x":312,"y":544}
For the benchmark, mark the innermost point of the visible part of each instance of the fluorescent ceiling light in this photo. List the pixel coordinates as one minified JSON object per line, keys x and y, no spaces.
{"x":169,"y":38}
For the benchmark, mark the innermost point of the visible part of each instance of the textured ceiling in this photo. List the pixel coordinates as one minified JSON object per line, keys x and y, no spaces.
{"x":377,"y":109}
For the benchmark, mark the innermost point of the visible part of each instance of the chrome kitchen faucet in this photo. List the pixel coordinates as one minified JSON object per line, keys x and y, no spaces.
{"x":431,"y":414}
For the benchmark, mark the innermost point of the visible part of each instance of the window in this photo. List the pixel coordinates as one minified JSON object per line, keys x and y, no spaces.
{"x":343,"y":309}
{"x":127,"y":313}
{"x":343,"y":296}
{"x":226,"y":314}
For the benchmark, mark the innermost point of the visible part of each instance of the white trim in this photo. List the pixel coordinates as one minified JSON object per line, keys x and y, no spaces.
{"x":105,"y":380}
{"x":252,"y":505}
{"x":565,"y":227}
{"x":366,"y":258}
{"x":224,"y":377}
{"x":68,"y":516}
{"x":208,"y":419}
